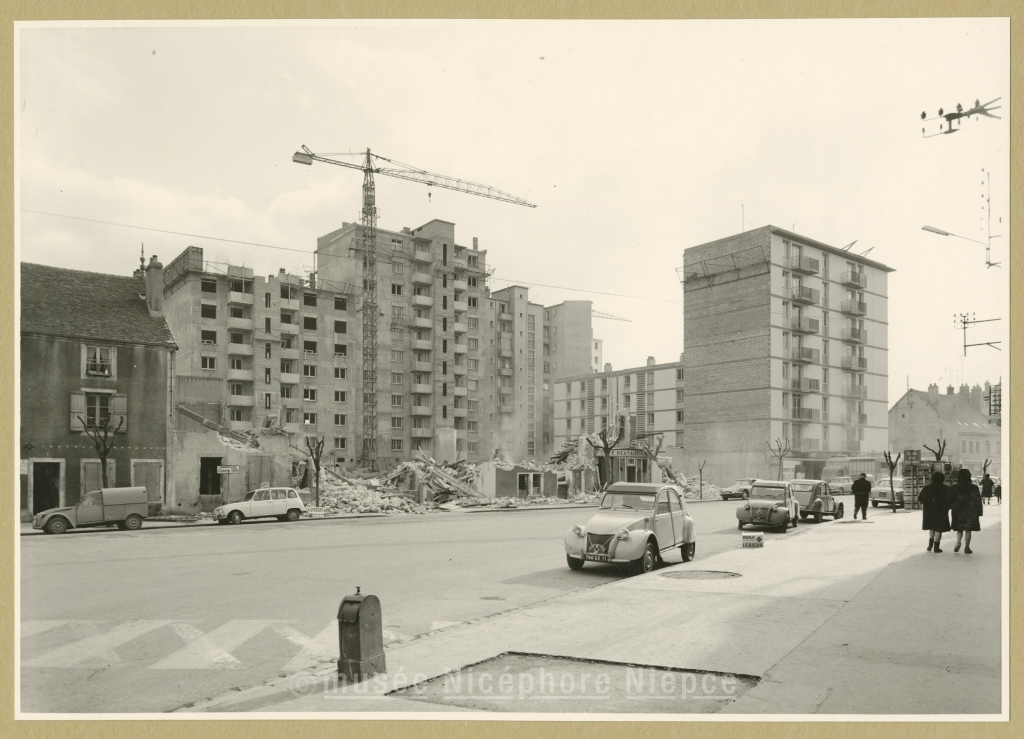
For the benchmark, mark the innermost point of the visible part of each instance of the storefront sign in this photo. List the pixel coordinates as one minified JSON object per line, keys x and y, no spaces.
{"x":227,"y":469}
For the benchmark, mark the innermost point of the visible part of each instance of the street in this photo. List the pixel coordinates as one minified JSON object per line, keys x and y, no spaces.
{"x":150,"y":621}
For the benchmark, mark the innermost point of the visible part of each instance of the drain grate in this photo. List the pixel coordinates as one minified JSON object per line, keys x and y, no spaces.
{"x":700,"y":575}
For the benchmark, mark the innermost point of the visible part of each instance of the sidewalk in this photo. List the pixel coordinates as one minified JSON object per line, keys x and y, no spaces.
{"x":846,"y":617}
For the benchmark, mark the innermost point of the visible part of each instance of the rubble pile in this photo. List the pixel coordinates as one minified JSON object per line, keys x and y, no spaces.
{"x":230,"y":440}
{"x":443,"y":480}
{"x":692,"y":491}
{"x":362,"y":496}
{"x":528,"y":502}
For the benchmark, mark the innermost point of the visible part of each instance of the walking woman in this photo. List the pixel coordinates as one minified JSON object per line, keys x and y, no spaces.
{"x":965,"y":502}
{"x":936,"y":510}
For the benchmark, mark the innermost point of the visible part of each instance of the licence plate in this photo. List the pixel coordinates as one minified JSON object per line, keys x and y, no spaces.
{"x":596,"y":557}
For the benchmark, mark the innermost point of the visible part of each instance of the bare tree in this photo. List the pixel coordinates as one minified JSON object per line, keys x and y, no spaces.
{"x":700,"y":469}
{"x":666,"y":469}
{"x":779,"y":451}
{"x":103,"y":438}
{"x":985,"y":466}
{"x":891,"y":463}
{"x":604,"y":463}
{"x":941,"y":444}
{"x":315,"y":445}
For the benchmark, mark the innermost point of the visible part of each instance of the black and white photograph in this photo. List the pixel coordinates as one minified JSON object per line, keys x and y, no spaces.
{"x":505,"y":370}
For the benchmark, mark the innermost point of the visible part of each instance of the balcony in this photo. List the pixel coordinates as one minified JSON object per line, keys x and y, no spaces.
{"x":506,"y":353}
{"x":422,"y":323}
{"x":806,"y":295}
{"x":291,"y":304}
{"x":462,"y":391}
{"x":289,"y":353}
{"x":806,"y":445}
{"x":240,"y":298}
{"x":459,"y":264}
{"x":854,"y":279}
{"x":293,"y":428}
{"x":422,"y":301}
{"x":422,"y":410}
{"x":460,"y":285}
{"x":854,"y":307}
{"x":460,"y":306}
{"x":243,"y":324}
{"x":855,"y":419}
{"x":461,"y":348}
{"x":459,"y":412}
{"x":423,"y":389}
{"x":803,"y":354}
{"x":854,"y":335}
{"x":860,"y":392}
{"x":423,"y":256}
{"x":505,"y":317}
{"x":423,"y":345}
{"x":805,"y":415}
{"x":240,"y":350}
{"x":240,"y":401}
{"x":850,"y":362}
{"x":422,"y":367}
{"x":459,"y":327}
{"x":805,"y":385}
{"x":506,"y":371}
{"x":240,"y":374}
{"x":852,"y":445}
{"x":804,"y":325}
{"x":289,"y":378}
{"x":458,"y":369}
{"x":422,"y":433}
{"x":807,"y":265}
{"x":240,"y":425}
{"x":506,"y":409}
{"x":422,"y":278}
{"x":506,"y":390}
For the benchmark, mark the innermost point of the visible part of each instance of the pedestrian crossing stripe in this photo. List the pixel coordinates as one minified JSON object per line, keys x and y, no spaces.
{"x":99,"y":648}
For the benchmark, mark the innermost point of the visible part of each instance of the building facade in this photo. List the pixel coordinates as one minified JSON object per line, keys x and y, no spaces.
{"x":786,"y":339}
{"x":95,"y":349}
{"x":960,"y":419}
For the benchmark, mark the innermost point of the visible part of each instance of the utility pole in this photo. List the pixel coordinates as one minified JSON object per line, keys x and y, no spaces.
{"x":968,"y":319}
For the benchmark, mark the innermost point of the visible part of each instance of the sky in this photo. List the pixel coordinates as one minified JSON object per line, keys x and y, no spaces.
{"x":635,"y":140}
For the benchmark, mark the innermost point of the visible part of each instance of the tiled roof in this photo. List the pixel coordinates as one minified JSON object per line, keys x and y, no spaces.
{"x":88,"y":305}
{"x":954,"y":409}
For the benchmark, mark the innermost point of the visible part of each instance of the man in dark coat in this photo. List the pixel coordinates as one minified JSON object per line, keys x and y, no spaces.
{"x":861,"y":492}
{"x":986,"y":489}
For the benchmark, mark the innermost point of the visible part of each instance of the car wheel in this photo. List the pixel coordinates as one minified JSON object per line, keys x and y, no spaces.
{"x":646,"y":561}
{"x":795,"y":522}
{"x":740,"y":525}
{"x":235,"y":517}
{"x":688,"y":550}
{"x":784,"y":527}
{"x":817,"y":518}
{"x":804,"y":515}
{"x":574,"y":564}
{"x":292,"y":515}
{"x":839,"y":512}
{"x":133,"y":522}
{"x":874,"y":504}
{"x":56,"y":525}
{"x":120,"y":525}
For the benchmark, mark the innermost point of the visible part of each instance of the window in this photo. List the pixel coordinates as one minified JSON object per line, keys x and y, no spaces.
{"x":266,"y":300}
{"x":266,"y":350}
{"x":397,"y":311}
{"x":309,"y":323}
{"x":473,"y":323}
{"x":397,"y":334}
{"x":396,"y":268}
{"x":236,"y":364}
{"x":473,"y":384}
{"x":396,"y":445}
{"x":785,"y":340}
{"x":339,"y":442}
{"x":309,"y":347}
{"x":396,"y":289}
{"x":341,"y":327}
{"x":396,"y":422}
{"x":208,"y":286}
{"x":209,"y":363}
{"x":679,"y":396}
{"x":266,"y":324}
{"x":236,"y":338}
{"x":340,"y":419}
{"x":396,"y":401}
{"x":650,"y":419}
{"x":239,"y":285}
{"x":286,"y":391}
{"x":286,"y":318}
{"x":679,"y":416}
{"x":340,"y":303}
{"x":471,"y":302}
{"x":236,"y":414}
{"x":309,"y":419}
{"x":236,"y":312}
{"x":309,"y":299}
{"x":97,"y":361}
{"x":309,"y":370}
{"x":785,"y":400}
{"x":266,"y":400}
{"x":97,"y":409}
{"x":341,"y":350}
{"x":340,"y":396}
{"x":396,"y":378}
{"x":208,"y":337}
{"x":309,"y":393}
{"x":208,"y":311}
{"x":397,"y":355}
{"x":785,"y":370}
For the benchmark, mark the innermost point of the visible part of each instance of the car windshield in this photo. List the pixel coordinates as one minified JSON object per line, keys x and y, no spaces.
{"x":763,"y":491}
{"x":747,"y":481}
{"x":802,"y":487}
{"x":634,"y":501}
{"x":248,"y":496}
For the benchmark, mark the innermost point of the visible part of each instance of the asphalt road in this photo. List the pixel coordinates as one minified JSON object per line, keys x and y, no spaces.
{"x":150,"y":621}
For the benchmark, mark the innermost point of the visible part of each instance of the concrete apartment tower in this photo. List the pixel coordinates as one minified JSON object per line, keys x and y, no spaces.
{"x":785,"y":338}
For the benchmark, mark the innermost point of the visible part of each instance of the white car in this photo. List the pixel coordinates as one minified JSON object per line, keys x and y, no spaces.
{"x":284,"y":504}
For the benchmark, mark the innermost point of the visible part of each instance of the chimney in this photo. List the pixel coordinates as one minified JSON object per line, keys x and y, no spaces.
{"x":976,"y":400}
{"x":476,"y":246}
{"x":949,"y":389}
{"x":650,"y":361}
{"x":312,"y":280}
{"x":933,"y":392}
{"x":607,"y":366}
{"x":965,"y":393}
{"x":281,"y":271}
{"x":155,"y":287}
{"x":680,"y":356}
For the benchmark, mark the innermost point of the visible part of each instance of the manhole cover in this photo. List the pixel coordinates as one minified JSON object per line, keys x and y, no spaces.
{"x":700,"y":575}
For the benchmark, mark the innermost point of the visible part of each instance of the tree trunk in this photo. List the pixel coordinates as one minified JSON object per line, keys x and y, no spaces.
{"x":317,"y":485}
{"x":103,"y":471}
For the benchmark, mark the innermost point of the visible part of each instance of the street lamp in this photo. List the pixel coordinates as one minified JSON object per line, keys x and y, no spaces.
{"x":940,"y":232}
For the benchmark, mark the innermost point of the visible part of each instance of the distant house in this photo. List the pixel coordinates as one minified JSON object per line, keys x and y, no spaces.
{"x":94,"y":347}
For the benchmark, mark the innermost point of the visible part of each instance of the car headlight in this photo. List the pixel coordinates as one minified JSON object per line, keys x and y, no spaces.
{"x":623,"y":534}
{"x":775,"y":507}
{"x":746,"y":506}
{"x":577,"y":530}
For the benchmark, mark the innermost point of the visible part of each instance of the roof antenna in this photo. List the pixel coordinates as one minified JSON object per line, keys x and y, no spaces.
{"x":847,"y":247}
{"x":142,"y":258}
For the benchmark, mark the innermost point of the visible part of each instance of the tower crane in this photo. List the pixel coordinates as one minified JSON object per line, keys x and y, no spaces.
{"x":374,"y":164}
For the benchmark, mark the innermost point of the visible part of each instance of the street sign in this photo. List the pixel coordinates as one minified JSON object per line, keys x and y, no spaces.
{"x":629,"y":453}
{"x":227,"y":469}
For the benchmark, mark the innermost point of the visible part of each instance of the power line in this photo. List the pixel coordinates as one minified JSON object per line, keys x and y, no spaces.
{"x":580,"y":290}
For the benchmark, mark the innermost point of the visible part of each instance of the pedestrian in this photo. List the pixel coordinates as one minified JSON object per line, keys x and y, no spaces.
{"x":986,"y":489}
{"x":965,"y":502}
{"x":935,"y":519}
{"x":998,"y":492}
{"x":861,"y":491}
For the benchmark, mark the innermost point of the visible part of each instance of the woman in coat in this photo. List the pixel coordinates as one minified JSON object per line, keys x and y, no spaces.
{"x":965,"y":502}
{"x":936,"y":510}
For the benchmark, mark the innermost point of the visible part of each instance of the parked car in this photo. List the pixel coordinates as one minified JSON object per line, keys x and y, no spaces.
{"x":841,"y":485}
{"x":880,"y":492}
{"x":634,"y":525}
{"x":284,"y":504}
{"x":739,"y":489}
{"x":771,"y":503}
{"x":816,"y":499}
{"x":124,"y":507}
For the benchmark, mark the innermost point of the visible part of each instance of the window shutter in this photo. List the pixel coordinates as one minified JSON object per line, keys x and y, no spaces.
{"x":77,"y":410}
{"x":119,"y":412}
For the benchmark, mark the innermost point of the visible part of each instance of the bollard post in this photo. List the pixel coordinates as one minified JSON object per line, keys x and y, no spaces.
{"x":360,"y":637}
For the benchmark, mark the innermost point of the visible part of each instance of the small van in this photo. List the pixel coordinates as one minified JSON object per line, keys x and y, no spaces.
{"x":125,"y":507}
